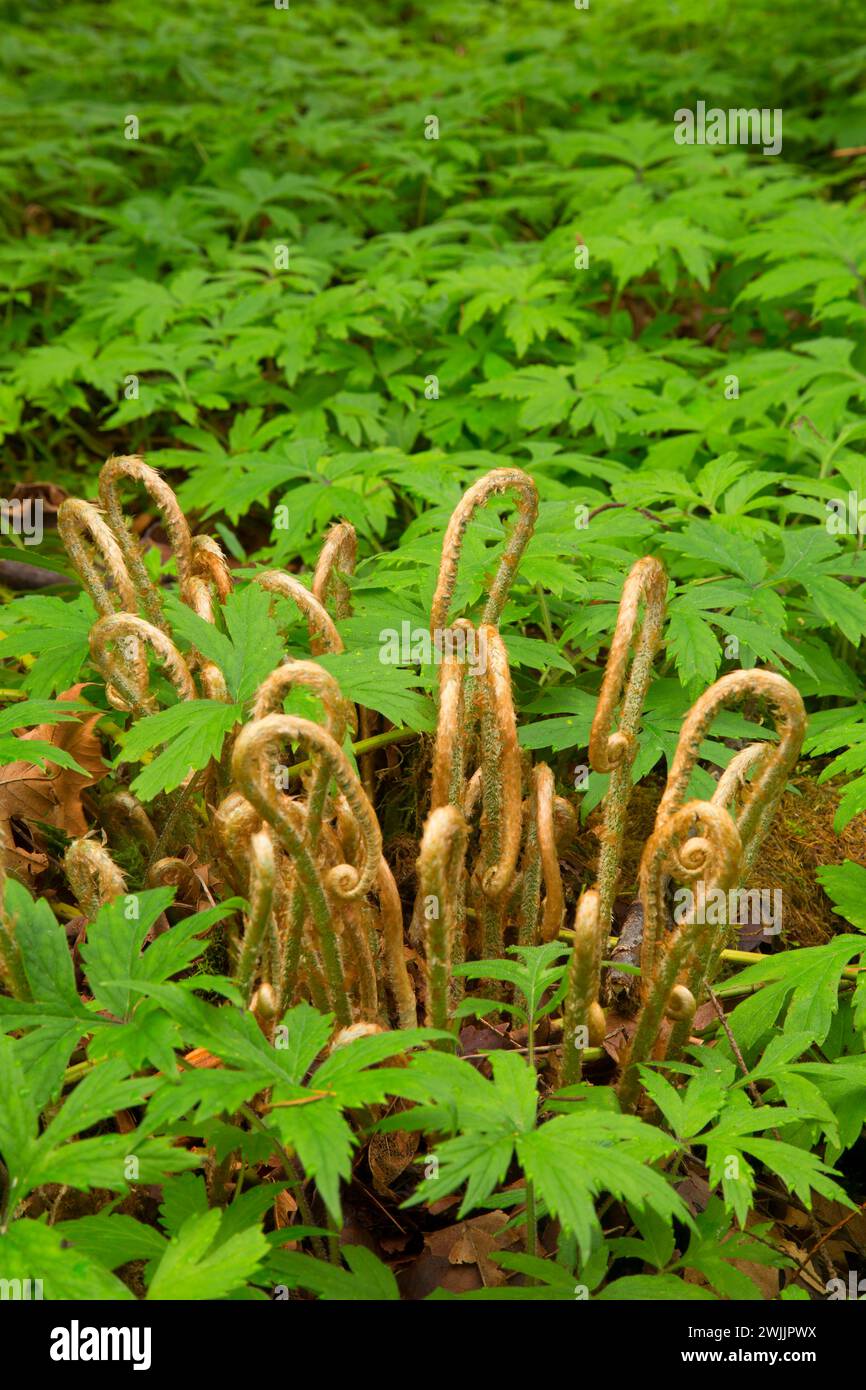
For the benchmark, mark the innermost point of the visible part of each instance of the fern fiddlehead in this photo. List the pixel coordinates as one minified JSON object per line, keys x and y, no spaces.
{"x":614,"y":752}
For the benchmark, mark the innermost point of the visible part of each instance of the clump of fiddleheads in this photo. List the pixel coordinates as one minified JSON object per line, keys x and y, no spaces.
{"x":254,"y":758}
{"x":645,"y":583}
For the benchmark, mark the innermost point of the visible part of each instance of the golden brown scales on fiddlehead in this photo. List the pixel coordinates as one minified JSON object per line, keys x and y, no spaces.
{"x":391,"y":917}
{"x":762,"y":794}
{"x":262,"y":884}
{"x":124,"y":818}
{"x":336,"y":559}
{"x":583,"y":1019}
{"x":554,"y":901}
{"x":118,"y":628}
{"x":86,"y":537}
{"x":210,"y":578}
{"x":209,"y":566}
{"x":501,"y":794}
{"x":698,"y":842}
{"x":93,"y":875}
{"x":646,"y":583}
{"x":440,"y":869}
{"x":131,"y":467}
{"x":493,"y":484}
{"x":171,"y":872}
{"x":449,"y":752}
{"x":324,"y":636}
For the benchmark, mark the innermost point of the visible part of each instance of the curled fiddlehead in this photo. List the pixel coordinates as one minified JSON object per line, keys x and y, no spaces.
{"x":495,"y":483}
{"x":85,"y":537}
{"x":93,"y":875}
{"x":761,"y":795}
{"x":695,"y":843}
{"x":324,"y":636}
{"x":133,"y":468}
{"x":122,"y":628}
{"x":440,"y":867}
{"x":583,"y":1020}
{"x":336,"y":559}
{"x":614,"y":752}
{"x":209,"y":565}
{"x":235,"y":821}
{"x":124,"y":818}
{"x":171,"y":872}
{"x":339,"y":712}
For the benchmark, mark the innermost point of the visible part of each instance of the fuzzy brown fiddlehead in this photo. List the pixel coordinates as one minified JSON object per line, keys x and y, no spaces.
{"x":495,"y":483}
{"x":762,"y":794}
{"x":209,"y":585}
{"x":646,"y":583}
{"x":529,"y":908}
{"x":449,"y":751}
{"x":120,"y":628}
{"x":583,"y":1019}
{"x":680,"y":1011}
{"x":209,"y":564}
{"x":324,"y":636}
{"x":501,"y":777}
{"x":171,"y":872}
{"x":93,"y":875}
{"x":554,"y":902}
{"x":131,"y":467}
{"x":336,"y":559}
{"x":391,"y":923}
{"x":695,"y":843}
{"x":261,"y":896}
{"x":85,"y":537}
{"x":124,"y":819}
{"x":440,"y":868}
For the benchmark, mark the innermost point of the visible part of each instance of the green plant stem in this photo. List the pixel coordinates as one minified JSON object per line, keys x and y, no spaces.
{"x":364,"y":745}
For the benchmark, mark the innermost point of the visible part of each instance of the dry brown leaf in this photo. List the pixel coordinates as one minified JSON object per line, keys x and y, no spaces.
{"x":389,"y":1155}
{"x":28,"y":793}
{"x":473,"y":1242}
{"x":285,"y":1207}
